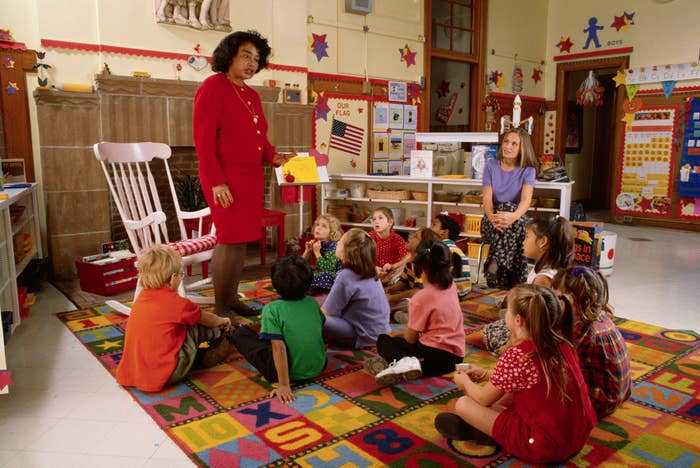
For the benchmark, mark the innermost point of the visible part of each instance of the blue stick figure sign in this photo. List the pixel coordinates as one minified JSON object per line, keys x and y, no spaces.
{"x":592,"y":31}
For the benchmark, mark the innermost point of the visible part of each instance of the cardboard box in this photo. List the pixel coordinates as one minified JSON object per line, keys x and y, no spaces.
{"x":107,"y":279}
{"x":587,"y":243}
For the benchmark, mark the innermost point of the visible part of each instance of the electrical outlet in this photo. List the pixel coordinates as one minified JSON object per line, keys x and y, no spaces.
{"x":627,"y":219}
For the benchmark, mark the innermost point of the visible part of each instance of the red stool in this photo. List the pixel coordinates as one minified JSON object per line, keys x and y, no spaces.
{"x":272,"y":218}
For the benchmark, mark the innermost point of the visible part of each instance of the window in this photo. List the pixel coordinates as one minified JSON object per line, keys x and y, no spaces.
{"x":455,"y":64}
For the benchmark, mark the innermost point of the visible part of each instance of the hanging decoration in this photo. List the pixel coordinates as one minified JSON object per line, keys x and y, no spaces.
{"x":196,"y":61}
{"x":590,"y":92}
{"x":667,"y":72}
{"x":536,"y":74}
{"x":444,"y":89}
{"x":7,"y":62}
{"x":668,"y":87}
{"x":496,"y":77}
{"x":407,"y":55}
{"x":318,"y":45}
{"x":41,"y":68}
{"x":517,"y":84}
{"x":12,"y":88}
{"x":565,"y":44}
{"x":631,"y":90}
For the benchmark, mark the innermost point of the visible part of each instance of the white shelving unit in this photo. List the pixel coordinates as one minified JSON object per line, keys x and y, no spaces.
{"x":28,"y":223}
{"x":431,"y":207}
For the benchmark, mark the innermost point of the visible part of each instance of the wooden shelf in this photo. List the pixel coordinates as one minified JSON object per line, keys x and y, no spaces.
{"x":367,"y":225}
{"x":23,"y":221}
{"x":378,"y":200}
{"x":19,"y":267}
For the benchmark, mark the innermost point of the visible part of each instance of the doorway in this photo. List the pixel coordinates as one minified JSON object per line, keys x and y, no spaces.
{"x":591,"y":160}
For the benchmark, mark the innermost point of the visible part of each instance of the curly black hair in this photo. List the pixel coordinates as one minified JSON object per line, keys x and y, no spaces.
{"x":228,"y":48}
{"x":450,"y":224}
{"x":291,"y":277}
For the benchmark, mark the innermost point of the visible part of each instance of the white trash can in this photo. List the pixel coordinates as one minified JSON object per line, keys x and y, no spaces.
{"x":607,"y":250}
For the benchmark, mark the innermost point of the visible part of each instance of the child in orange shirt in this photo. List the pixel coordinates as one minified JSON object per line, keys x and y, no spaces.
{"x":165,"y":330}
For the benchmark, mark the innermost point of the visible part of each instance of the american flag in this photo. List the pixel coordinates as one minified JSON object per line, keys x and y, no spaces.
{"x":346,"y":137}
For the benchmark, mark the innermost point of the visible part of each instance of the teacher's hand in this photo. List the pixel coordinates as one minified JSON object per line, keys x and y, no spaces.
{"x":222,"y":195}
{"x":281,"y":159}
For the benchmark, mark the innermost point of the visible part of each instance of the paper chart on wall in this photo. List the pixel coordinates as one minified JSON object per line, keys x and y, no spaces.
{"x":647,"y":160}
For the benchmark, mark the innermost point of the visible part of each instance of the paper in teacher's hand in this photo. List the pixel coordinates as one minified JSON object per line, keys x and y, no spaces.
{"x":303,"y":168}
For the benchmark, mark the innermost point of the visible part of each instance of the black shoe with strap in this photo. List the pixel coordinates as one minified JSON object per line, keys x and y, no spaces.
{"x":453,"y":427}
{"x":243,"y":309}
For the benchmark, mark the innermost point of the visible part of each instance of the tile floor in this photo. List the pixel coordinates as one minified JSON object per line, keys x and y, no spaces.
{"x":65,"y":410}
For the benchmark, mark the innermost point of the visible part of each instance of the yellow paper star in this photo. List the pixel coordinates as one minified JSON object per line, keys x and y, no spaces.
{"x":109,"y":344}
{"x":620,"y":78}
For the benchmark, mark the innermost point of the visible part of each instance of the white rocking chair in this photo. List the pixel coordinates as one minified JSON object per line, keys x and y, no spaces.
{"x":133,"y":188}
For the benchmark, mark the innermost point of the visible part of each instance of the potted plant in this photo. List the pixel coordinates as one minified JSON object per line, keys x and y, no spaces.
{"x":189,"y":193}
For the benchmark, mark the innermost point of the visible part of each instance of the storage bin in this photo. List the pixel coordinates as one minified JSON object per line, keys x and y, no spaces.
{"x":607,"y":250}
{"x":389,"y":194}
{"x":472,"y":224}
{"x":473,"y":250}
{"x":357,"y":190}
{"x":22,"y":298}
{"x":108,"y":279}
{"x":420,"y":196}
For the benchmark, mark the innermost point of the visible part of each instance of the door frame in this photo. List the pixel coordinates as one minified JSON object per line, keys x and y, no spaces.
{"x":620,"y":62}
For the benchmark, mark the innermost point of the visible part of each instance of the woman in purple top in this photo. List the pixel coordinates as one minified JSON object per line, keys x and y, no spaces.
{"x":357,"y":310}
{"x":508,"y":184}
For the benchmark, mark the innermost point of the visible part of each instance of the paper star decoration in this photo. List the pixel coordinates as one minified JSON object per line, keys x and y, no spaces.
{"x":12,"y":87}
{"x":318,"y":45}
{"x":629,"y":18}
{"x":443,"y":89}
{"x":7,"y":62}
{"x":536,"y":75}
{"x":629,"y":118}
{"x":321,"y":107}
{"x":496,"y":78}
{"x":407,"y":55}
{"x":620,"y":78}
{"x":645,"y":204}
{"x":565,"y":44}
{"x":620,"y":23}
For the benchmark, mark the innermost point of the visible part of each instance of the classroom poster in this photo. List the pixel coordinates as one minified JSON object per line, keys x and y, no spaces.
{"x":380,"y":116}
{"x":396,"y":116}
{"x":409,"y":143}
{"x":396,"y":146}
{"x":381,"y":145}
{"x":689,"y":172}
{"x":395,"y":167}
{"x":410,"y":117}
{"x":647,"y":159}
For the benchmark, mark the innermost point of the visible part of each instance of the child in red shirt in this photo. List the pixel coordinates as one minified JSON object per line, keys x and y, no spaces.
{"x":164,"y":329}
{"x":391,"y":248}
{"x":535,"y":403}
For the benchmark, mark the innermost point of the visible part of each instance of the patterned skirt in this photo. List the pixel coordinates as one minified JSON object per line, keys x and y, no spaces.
{"x":507,"y":249}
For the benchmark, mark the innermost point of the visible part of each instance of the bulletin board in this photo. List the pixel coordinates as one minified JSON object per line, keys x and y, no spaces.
{"x":340,"y":130}
{"x":647,"y":162}
{"x":394,"y":128}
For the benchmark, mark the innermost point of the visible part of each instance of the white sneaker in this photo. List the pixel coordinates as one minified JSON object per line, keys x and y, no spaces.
{"x":407,"y":368}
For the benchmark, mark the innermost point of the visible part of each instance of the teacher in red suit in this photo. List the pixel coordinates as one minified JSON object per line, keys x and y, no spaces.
{"x":230,"y":137}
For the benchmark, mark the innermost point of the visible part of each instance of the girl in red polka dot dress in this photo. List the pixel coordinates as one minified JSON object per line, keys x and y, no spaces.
{"x":391,"y":248}
{"x":535,"y":402}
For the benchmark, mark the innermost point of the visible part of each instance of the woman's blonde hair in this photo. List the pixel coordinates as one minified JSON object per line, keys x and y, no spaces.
{"x":360,"y":253}
{"x":334,"y":224}
{"x":157,"y":265}
{"x":527,"y":158}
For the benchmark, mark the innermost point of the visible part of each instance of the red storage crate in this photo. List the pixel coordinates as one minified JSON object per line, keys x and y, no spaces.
{"x":108,"y":279}
{"x":21,"y":299}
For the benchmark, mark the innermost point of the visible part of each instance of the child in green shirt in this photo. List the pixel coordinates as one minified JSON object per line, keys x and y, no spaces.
{"x":290,"y":346}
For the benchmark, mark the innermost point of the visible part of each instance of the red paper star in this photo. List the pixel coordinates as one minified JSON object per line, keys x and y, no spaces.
{"x":321,"y":107}
{"x":407,"y":56}
{"x":565,"y":44}
{"x":645,"y":204}
{"x":536,"y":75}
{"x":619,"y":23}
{"x":443,"y":89}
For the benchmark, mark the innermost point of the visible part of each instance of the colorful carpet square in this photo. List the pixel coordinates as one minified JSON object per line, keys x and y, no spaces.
{"x":222,"y":417}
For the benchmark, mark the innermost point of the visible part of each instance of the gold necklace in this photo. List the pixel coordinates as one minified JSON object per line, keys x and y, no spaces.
{"x":248,"y":106}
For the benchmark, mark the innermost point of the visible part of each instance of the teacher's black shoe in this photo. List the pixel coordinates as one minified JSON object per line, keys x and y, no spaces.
{"x":453,"y":427}
{"x":244,"y":310}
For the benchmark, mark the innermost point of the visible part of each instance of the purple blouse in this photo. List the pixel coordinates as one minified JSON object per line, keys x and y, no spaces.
{"x":507,"y":186}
